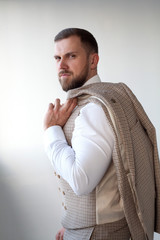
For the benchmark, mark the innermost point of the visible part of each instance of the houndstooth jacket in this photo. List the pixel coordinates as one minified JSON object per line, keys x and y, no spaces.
{"x":139,"y":183}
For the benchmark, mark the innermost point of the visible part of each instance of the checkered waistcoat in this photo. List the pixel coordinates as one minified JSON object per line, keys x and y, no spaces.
{"x":135,"y":161}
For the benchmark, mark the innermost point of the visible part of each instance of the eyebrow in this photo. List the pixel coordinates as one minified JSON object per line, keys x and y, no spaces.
{"x":67,"y":54}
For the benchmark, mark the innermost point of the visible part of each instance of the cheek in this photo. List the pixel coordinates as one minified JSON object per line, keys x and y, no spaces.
{"x":73,"y":67}
{"x":78,"y":67}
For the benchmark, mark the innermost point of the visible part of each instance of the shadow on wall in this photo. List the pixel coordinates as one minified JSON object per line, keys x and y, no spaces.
{"x":10,"y":212}
{"x":27,"y":198}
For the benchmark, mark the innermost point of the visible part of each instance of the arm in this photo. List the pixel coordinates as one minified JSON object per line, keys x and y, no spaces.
{"x":84,"y":164}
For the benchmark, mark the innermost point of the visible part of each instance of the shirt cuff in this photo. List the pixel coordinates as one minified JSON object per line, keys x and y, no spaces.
{"x":53,"y":134}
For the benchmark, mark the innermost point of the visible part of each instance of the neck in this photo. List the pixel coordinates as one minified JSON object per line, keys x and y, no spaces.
{"x":92,"y":74}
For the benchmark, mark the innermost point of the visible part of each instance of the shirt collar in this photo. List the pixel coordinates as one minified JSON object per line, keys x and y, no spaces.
{"x":94,"y":79}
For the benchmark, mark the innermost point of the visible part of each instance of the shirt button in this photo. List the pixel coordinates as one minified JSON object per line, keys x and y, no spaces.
{"x":58,"y":176}
{"x":65,"y":207}
{"x":63,"y":193}
{"x":59,"y":189}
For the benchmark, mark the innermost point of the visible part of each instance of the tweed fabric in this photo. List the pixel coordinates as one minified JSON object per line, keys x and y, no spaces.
{"x":137,"y":186}
{"x":77,"y":211}
{"x":113,"y":231}
{"x":149,"y":128}
{"x":78,"y":234}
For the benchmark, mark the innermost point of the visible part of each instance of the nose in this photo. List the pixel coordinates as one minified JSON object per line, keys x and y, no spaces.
{"x":62,"y":64}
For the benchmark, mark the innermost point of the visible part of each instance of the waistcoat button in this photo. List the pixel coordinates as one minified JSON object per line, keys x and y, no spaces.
{"x":113,"y":100}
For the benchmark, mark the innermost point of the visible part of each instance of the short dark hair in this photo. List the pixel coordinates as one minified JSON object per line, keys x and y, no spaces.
{"x":87,"y":39}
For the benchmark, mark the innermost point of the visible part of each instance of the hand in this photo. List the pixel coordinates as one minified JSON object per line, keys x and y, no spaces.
{"x":58,"y":114}
{"x":59,"y":235}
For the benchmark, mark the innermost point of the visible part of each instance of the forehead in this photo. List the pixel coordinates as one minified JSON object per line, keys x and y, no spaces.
{"x":70,"y":44}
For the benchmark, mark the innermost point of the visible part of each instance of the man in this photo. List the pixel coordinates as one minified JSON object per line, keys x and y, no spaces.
{"x":92,"y":149}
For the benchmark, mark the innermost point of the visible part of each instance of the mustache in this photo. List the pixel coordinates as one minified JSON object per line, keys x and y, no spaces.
{"x":63,"y":71}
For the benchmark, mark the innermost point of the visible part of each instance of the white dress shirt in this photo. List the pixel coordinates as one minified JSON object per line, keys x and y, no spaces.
{"x":84,"y":164}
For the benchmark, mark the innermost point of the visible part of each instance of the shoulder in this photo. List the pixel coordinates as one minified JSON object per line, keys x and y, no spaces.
{"x":92,"y":113}
{"x":91,"y":108}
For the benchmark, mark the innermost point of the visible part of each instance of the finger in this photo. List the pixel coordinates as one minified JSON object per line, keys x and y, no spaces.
{"x":57,"y":104}
{"x":58,"y":236}
{"x":70,"y":104}
{"x":51,"y":106}
{"x":75,"y":101}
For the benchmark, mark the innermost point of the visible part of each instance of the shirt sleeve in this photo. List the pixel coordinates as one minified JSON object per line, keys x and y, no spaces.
{"x":84,"y":164}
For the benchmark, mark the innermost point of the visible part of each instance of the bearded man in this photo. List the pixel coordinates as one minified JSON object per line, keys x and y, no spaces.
{"x":103,"y":149}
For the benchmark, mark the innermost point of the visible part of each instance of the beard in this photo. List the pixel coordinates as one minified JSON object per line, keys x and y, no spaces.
{"x":76,"y":81}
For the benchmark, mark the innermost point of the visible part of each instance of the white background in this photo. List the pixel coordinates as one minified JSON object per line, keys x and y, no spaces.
{"x":128,"y":33}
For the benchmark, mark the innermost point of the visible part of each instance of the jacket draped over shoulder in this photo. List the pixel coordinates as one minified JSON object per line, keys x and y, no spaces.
{"x":135,"y":155}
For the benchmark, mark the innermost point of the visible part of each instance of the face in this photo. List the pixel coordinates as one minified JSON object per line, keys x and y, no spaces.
{"x":72,"y":63}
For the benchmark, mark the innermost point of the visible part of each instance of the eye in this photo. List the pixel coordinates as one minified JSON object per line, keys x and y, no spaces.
{"x":72,"y":56}
{"x":57,"y":58}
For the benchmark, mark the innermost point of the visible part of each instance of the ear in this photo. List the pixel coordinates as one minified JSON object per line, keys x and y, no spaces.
{"x":94,"y":60}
